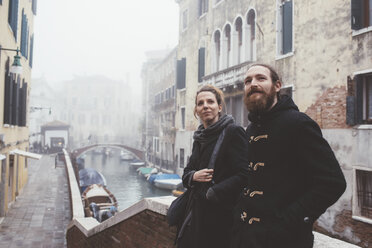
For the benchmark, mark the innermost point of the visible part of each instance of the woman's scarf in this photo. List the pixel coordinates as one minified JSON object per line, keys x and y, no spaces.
{"x":211,"y":133}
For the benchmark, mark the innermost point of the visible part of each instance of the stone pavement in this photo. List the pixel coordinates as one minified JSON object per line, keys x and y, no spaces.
{"x":41,"y":213}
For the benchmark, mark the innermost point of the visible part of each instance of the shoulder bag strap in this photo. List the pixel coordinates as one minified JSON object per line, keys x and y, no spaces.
{"x":216,"y":149}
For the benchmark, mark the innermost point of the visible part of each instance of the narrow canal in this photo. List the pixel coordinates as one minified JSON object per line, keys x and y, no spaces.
{"x":122,"y":180}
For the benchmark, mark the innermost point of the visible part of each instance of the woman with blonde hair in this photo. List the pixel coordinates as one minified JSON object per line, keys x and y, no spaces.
{"x":208,"y":221}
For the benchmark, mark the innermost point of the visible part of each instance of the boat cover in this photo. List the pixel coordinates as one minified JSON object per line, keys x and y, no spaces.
{"x":152,"y":178}
{"x":89,"y":176}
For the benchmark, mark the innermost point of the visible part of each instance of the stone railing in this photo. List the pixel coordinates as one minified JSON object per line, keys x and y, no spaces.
{"x":76,"y":203}
{"x":142,"y":225}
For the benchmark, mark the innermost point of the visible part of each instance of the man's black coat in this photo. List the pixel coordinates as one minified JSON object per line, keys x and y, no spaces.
{"x":294,"y":177}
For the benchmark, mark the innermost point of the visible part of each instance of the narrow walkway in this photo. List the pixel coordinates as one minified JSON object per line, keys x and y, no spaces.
{"x":41,"y":213}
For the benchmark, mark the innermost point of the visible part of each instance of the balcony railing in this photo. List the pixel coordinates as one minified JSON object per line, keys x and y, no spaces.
{"x":229,"y":76}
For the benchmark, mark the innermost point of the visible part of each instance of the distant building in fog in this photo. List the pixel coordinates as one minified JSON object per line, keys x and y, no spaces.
{"x":159,"y":78}
{"x":42,"y":108}
{"x":99,"y":110}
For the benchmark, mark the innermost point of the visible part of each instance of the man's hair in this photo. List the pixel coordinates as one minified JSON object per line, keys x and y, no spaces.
{"x":273,"y":74}
{"x":216,"y":92}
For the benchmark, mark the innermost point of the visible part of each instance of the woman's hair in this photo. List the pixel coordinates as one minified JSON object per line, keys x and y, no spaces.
{"x":216,"y":92}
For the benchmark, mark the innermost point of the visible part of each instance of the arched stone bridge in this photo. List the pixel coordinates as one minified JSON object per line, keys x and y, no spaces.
{"x":138,"y":153}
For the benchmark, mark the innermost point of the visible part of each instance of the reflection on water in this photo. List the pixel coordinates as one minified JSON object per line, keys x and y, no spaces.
{"x":122,"y":180}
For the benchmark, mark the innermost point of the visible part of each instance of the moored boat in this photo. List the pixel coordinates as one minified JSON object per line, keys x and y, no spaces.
{"x":166,"y":181}
{"x":125,"y":156}
{"x":136,"y":163}
{"x":146,"y":171}
{"x":100,"y":198}
{"x":89,"y":176}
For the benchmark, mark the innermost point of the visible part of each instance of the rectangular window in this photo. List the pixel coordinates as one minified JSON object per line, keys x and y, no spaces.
{"x":201,"y":64}
{"x":203,"y":7}
{"x":181,"y":73}
{"x":34,"y":6}
{"x":183,"y":118}
{"x":184,"y":19}
{"x":284,"y":27}
{"x":359,"y":101}
{"x":237,"y":109}
{"x":361,"y":14}
{"x":182,"y":158}
{"x":286,"y":90}
{"x":364,"y":192}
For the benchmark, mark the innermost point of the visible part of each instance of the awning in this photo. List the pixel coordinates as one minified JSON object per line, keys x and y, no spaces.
{"x":2,"y":157}
{"x":26,"y":154}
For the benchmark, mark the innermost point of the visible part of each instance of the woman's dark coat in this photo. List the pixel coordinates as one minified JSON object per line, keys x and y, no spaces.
{"x":211,"y":221}
{"x":294,"y":177}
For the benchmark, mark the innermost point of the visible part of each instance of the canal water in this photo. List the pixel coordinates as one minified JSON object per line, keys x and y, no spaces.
{"x":122,"y":180}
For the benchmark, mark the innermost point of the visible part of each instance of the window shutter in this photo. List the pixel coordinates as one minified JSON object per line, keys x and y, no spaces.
{"x":181,"y":73}
{"x":357,"y":14}
{"x":358,"y":99}
{"x":7,"y":96}
{"x":200,"y":7}
{"x":23,"y":34}
{"x":287,"y":27}
{"x":201,"y":68}
{"x":15,"y":94}
{"x":31,"y":50}
{"x":22,"y":105}
{"x":13,"y":16}
{"x":34,"y":6}
{"x":350,"y":103}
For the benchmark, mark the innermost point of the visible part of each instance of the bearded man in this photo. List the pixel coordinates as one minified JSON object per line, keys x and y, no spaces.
{"x":293,"y":173}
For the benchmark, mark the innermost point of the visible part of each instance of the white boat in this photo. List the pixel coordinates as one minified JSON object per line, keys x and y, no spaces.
{"x":168,"y":183}
{"x":125,"y":156}
{"x":137,"y":164}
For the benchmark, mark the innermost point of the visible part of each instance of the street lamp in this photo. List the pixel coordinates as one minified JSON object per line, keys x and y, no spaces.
{"x":16,"y":67}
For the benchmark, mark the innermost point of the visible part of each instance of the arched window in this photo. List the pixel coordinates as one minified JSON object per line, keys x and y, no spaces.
{"x":251,"y":35}
{"x":227,"y":47}
{"x":237,"y":41}
{"x":217,"y":50}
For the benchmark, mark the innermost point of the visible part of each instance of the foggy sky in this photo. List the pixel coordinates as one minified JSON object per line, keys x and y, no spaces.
{"x":90,"y":37}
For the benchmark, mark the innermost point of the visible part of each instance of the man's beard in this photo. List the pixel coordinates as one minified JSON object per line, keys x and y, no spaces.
{"x":262,"y":103}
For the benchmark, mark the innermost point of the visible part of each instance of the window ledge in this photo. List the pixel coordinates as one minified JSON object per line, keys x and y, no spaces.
{"x":362,"y":31}
{"x":362,"y":219}
{"x":182,"y":90}
{"x":202,"y":15}
{"x":279,"y":57}
{"x":364,"y":127}
{"x":217,"y":4}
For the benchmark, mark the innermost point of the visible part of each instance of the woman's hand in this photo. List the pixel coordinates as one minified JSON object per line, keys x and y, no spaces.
{"x":204,"y":175}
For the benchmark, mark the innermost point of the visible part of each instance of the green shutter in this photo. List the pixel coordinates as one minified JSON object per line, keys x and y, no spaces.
{"x":201,"y":64}
{"x":287,"y":27}
{"x":357,"y":14}
{"x":359,"y":99}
